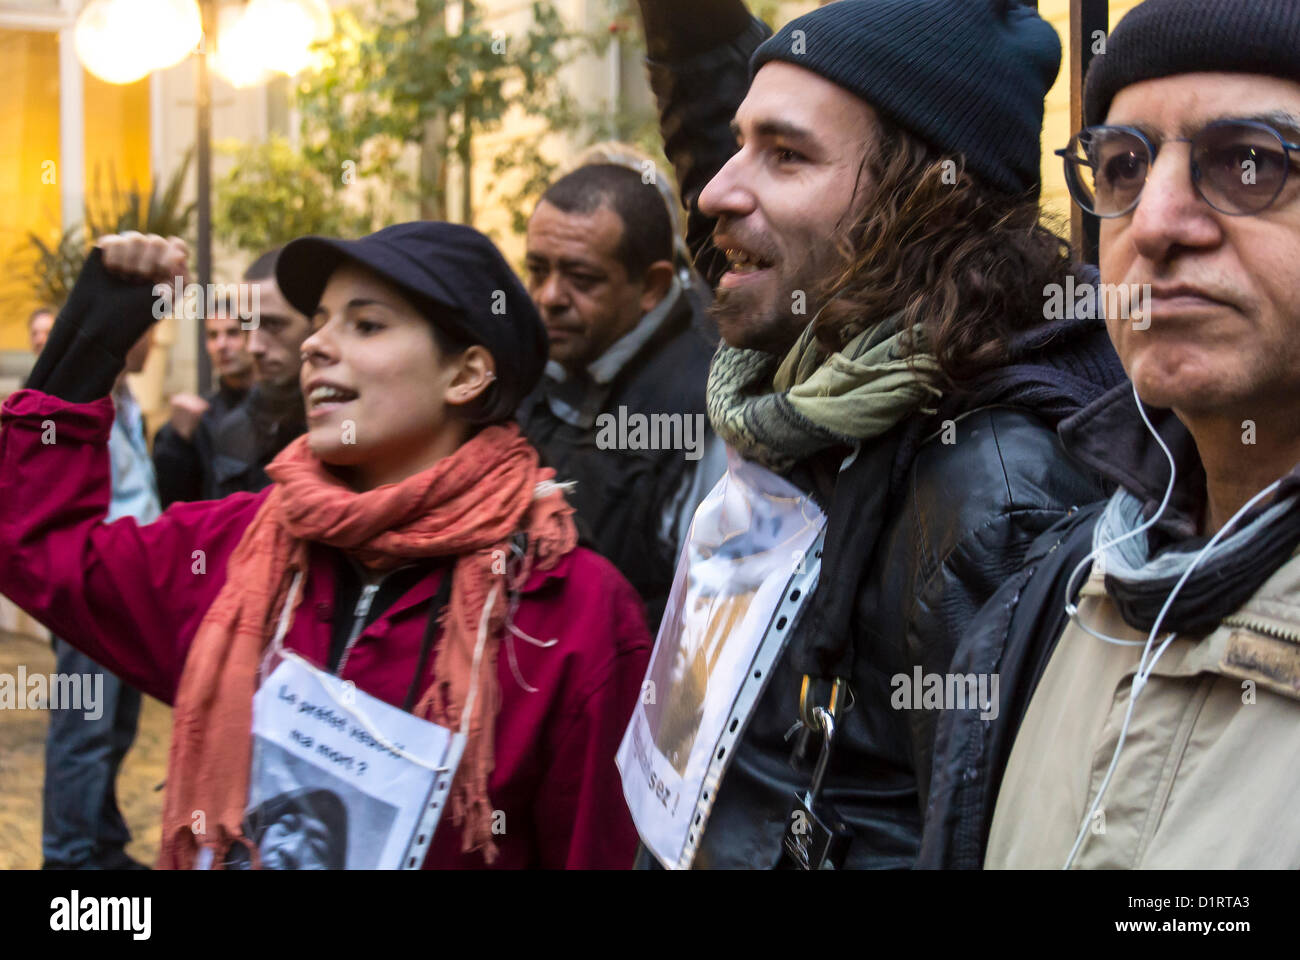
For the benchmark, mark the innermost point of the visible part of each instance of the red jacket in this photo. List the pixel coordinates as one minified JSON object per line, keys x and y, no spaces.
{"x":132,"y":597}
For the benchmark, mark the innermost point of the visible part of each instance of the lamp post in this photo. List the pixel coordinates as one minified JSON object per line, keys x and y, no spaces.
{"x":203,"y":204}
{"x":122,"y":41}
{"x":1087,"y":19}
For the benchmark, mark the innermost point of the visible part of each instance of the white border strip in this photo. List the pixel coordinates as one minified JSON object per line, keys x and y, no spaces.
{"x":784,"y":619}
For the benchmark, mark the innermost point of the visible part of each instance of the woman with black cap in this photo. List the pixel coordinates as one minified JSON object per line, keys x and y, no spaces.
{"x":411,"y":555}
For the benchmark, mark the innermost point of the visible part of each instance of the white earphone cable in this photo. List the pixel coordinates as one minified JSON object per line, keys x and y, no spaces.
{"x":1145,"y":667}
{"x":1071,"y":609}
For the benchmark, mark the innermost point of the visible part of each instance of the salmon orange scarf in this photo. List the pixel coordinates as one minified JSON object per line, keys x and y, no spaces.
{"x":466,"y":506}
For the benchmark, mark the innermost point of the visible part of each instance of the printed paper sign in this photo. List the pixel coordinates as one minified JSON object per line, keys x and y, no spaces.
{"x":325,"y":791}
{"x":749,"y":537}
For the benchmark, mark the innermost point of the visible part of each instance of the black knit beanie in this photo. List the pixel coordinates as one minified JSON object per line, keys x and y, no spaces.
{"x":1159,"y":38}
{"x":967,"y":76}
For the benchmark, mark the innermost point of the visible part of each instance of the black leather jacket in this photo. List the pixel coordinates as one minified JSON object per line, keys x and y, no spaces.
{"x":964,"y":515}
{"x":969,"y":512}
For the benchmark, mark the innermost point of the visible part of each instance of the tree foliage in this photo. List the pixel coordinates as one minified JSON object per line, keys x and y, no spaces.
{"x":396,"y":95}
{"x":272,"y":194}
{"x":397,"y":98}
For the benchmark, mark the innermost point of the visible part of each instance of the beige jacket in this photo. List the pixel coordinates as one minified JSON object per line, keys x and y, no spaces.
{"x":1209,"y":775}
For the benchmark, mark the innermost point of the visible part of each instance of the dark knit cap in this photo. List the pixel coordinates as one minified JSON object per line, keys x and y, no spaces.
{"x":1159,"y":38}
{"x":967,"y":76}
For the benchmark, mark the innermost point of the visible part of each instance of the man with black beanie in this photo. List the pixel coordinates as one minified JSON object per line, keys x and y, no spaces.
{"x":1164,"y":729}
{"x":862,"y":188}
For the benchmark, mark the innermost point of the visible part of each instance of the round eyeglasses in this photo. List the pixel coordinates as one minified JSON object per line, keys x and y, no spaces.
{"x":1239,"y":167}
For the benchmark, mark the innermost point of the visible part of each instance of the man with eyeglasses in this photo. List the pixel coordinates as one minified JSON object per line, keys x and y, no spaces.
{"x":1164,"y":728}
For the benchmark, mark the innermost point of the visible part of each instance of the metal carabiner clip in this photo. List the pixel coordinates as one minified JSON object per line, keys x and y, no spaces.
{"x":806,"y":710}
{"x":816,"y":836}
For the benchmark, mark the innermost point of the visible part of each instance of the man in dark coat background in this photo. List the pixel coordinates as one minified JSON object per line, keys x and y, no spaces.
{"x":620,"y":409}
{"x":182,"y":450}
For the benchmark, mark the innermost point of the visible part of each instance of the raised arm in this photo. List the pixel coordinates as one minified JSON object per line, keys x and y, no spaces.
{"x":698,"y":59}
{"x":130,"y":596}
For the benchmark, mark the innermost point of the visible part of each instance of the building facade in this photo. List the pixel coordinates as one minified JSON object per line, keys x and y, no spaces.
{"x":64,"y":135}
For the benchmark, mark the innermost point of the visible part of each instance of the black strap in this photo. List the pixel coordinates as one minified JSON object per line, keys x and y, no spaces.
{"x":822,"y":646}
{"x":437,"y":604}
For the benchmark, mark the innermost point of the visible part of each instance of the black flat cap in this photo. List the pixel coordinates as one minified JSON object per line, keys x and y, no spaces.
{"x":452,"y":274}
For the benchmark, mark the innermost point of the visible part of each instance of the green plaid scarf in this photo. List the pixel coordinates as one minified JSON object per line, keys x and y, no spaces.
{"x":781,"y":413}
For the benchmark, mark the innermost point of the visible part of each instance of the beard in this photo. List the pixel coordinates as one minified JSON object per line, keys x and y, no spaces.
{"x":770,"y":314}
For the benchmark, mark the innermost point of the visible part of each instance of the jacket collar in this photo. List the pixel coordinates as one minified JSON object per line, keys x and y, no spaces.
{"x":1054,"y":367}
{"x":325,"y":588}
{"x":578,"y":399}
{"x":1109,"y":436}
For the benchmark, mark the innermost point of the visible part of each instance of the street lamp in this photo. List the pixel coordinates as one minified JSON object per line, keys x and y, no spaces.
{"x":268,"y":36}
{"x":236,"y":56}
{"x":122,"y":41}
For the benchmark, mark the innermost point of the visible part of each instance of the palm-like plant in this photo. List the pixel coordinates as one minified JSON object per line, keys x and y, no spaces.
{"x":56,"y":265}
{"x":52,"y":272}
{"x":115,"y":210}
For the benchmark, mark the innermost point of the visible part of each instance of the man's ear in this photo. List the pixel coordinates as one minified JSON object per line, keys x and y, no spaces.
{"x":656,"y":281}
{"x":474,"y":374}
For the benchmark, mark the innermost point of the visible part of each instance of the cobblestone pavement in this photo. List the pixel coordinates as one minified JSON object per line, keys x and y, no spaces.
{"x":22,"y":767}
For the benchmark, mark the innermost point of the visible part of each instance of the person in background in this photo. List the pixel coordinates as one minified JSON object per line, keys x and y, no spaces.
{"x":694,"y":286}
{"x":247,"y":438}
{"x":82,"y":827}
{"x":182,"y":450}
{"x":38,"y":327}
{"x":623,"y":347}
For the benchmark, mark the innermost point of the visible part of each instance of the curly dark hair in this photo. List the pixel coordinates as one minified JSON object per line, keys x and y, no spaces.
{"x":964,"y":262}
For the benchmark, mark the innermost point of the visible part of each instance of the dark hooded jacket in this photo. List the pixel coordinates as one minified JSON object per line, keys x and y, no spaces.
{"x":185,"y":467}
{"x":969,"y":490}
{"x":249,"y":437}
{"x":1018,"y":629}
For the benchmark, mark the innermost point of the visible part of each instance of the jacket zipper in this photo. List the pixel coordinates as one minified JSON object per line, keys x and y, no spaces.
{"x":1250,"y":623}
{"x":358,"y":622}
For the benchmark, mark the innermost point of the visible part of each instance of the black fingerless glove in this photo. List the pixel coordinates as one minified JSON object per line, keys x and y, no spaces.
{"x":679,"y":29}
{"x":105,"y":315}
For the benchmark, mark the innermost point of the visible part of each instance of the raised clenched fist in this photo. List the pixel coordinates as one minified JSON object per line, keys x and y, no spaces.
{"x":146,"y":256}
